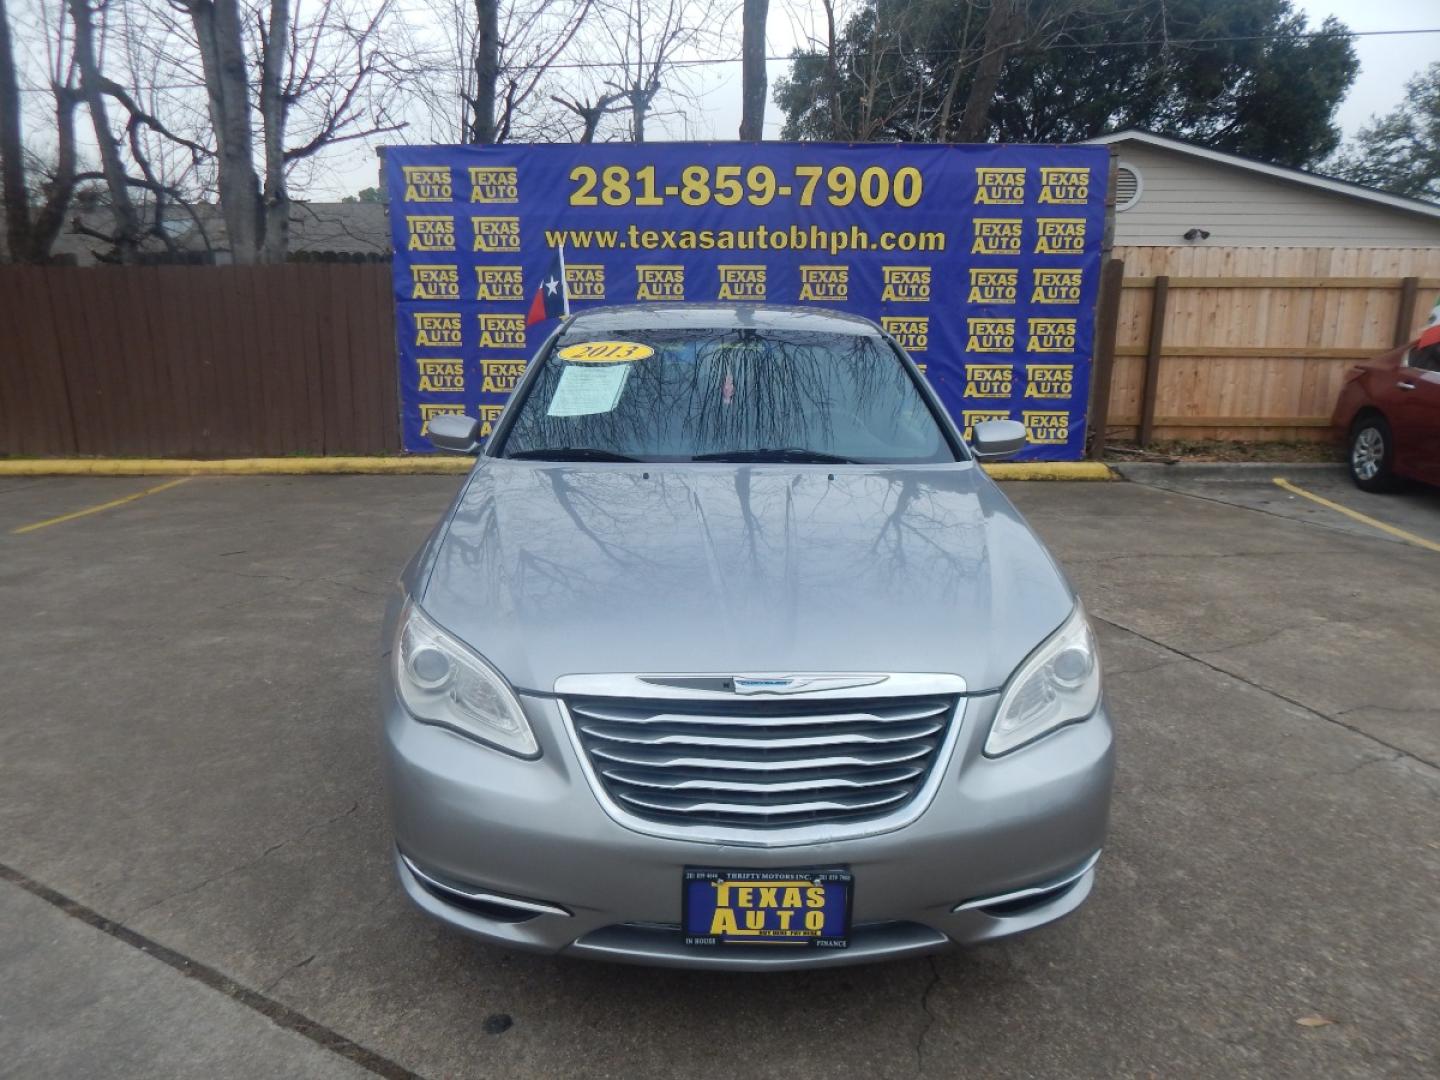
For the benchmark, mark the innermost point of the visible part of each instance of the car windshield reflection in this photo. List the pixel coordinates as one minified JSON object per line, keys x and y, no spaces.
{"x":735,"y":394}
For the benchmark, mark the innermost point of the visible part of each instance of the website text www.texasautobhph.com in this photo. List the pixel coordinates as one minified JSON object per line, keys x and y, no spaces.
{"x":759,"y":238}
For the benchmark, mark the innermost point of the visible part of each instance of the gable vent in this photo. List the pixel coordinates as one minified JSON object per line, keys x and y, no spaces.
{"x":1127,"y":187}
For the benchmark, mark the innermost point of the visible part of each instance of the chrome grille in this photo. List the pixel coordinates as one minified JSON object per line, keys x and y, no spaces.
{"x":761,"y":764}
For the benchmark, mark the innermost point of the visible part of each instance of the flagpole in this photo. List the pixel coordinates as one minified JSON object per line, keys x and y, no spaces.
{"x":564,"y":287}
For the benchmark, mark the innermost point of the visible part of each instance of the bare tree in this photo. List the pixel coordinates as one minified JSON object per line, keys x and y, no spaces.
{"x":889,"y":73}
{"x":303,"y":85}
{"x":646,"y":42}
{"x":231,"y":101}
{"x":863,"y":73}
{"x":487,"y":69}
{"x":128,"y":230}
{"x":490,"y":67}
{"x":832,"y":68}
{"x":224,"y":63}
{"x":516,"y":47}
{"x":591,"y":110}
{"x":560,"y":69}
{"x":77,"y":37}
{"x":1003,"y":25}
{"x":30,"y":230}
{"x":752,"y":69}
{"x":169,"y":164}
{"x":12,"y":152}
{"x":963,"y":46}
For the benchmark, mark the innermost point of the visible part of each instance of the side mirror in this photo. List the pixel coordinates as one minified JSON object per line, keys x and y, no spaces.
{"x":457,"y":434}
{"x":994,"y":440}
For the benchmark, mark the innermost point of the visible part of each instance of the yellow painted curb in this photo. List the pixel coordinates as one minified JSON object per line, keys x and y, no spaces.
{"x":300,"y":466}
{"x":411,"y":466}
{"x":1049,"y":470}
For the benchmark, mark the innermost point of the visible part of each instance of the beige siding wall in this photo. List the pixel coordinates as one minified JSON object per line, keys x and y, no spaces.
{"x":1240,"y":208}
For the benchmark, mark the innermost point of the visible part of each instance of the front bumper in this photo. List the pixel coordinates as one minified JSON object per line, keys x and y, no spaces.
{"x":473,"y":820}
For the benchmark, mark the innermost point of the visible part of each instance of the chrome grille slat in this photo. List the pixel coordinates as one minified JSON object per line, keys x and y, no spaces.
{"x":662,"y":781}
{"x":761,"y":764}
{"x":764,"y":810}
{"x":640,"y":716}
{"x":856,"y":760}
{"x":897,"y":733}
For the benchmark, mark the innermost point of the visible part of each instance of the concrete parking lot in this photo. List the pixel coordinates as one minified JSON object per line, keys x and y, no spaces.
{"x":195,"y":875}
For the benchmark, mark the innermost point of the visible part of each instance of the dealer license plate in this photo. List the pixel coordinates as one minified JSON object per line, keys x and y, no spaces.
{"x":767,"y":907}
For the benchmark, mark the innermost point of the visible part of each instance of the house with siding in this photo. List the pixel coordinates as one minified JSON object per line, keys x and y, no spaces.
{"x":319,"y":231}
{"x":1173,"y":193}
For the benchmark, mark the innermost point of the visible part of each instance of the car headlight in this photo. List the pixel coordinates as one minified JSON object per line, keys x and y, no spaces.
{"x":1058,"y":684}
{"x":440,"y":681}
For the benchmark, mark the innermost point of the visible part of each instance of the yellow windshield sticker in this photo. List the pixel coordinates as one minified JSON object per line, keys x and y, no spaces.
{"x":605,"y":352}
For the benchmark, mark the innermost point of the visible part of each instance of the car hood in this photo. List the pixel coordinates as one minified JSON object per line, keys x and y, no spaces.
{"x":554,"y":569}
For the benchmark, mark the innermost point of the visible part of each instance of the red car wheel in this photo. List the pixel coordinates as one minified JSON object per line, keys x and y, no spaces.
{"x":1372,"y":452}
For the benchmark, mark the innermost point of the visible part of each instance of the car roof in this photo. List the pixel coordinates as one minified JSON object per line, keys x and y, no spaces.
{"x":673,"y":316}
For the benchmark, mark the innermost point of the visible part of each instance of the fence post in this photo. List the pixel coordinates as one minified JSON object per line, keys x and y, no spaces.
{"x":1405,"y":316}
{"x":1158,"y":298}
{"x":1107,"y":320}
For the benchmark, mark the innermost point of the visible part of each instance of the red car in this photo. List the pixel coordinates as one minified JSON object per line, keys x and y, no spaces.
{"x":1389,"y":416}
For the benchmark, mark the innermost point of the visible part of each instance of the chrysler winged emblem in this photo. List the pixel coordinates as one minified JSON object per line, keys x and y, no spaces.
{"x":795,"y":684}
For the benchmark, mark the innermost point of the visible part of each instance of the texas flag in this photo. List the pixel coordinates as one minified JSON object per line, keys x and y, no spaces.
{"x":552,"y":299}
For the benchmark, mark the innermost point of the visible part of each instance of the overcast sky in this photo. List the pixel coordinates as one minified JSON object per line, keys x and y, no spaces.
{"x":1385,"y":62}
{"x":1385,"y":65}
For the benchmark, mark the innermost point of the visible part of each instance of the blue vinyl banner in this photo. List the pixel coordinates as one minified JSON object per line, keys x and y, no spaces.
{"x":983,"y":262}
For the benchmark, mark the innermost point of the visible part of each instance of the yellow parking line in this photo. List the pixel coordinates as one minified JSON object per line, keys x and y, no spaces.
{"x":96,"y":509}
{"x":1365,"y":519}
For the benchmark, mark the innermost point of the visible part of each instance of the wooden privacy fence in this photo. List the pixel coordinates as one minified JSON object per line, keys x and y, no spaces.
{"x":191,"y":361}
{"x":1252,"y":343}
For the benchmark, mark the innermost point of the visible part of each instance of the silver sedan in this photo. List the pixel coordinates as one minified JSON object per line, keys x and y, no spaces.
{"x":728,"y":654}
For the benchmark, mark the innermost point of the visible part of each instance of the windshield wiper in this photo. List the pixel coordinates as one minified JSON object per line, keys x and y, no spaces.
{"x":571,"y":453}
{"x":782,"y":453}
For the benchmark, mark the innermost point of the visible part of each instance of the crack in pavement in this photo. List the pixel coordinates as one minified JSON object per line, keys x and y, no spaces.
{"x":1268,"y":636}
{"x":1314,"y":774}
{"x":930,"y":1017}
{"x":1117,"y":672}
{"x":311,"y":828}
{"x":337,"y":930}
{"x":23,"y":487}
{"x":1406,"y":711}
{"x":288,"y":578}
{"x":1400,"y":751}
{"x":246,"y":865}
{"x":286,"y":974}
{"x":168,"y":621}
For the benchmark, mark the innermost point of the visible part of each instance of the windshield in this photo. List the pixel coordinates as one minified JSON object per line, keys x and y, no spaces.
{"x":735,"y":394}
